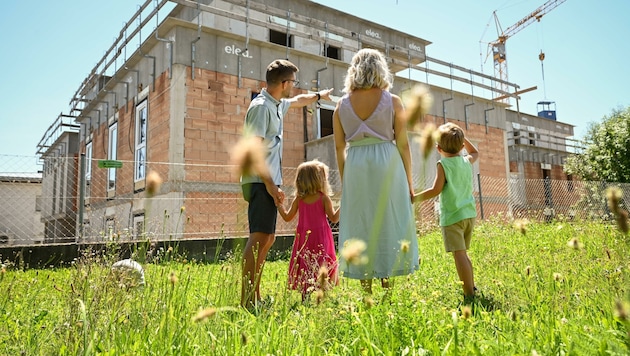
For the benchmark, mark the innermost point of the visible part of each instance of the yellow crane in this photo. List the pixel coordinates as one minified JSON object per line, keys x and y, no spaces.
{"x":497,"y":47}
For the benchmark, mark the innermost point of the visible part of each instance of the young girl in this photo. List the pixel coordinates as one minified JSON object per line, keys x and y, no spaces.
{"x":313,"y":263}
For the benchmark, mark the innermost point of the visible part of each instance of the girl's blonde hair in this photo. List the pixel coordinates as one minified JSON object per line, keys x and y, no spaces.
{"x":368,"y":69}
{"x":312,"y":178}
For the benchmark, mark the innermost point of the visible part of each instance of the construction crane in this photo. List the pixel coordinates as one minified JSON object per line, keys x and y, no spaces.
{"x":497,"y":47}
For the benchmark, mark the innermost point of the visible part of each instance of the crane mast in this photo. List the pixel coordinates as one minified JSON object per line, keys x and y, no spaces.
{"x":497,"y":47}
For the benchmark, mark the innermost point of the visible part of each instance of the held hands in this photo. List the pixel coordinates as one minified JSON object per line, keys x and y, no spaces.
{"x":276,"y":193}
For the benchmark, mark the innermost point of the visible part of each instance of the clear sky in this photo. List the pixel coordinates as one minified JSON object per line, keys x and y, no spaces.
{"x":49,"y":47}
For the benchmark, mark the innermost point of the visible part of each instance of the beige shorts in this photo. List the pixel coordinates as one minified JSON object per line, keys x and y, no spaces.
{"x":457,"y":236}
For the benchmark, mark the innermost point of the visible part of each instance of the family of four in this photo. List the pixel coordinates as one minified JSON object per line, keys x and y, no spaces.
{"x":374,"y":162}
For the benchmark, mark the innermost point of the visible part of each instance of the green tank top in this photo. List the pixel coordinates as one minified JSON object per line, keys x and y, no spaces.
{"x":456,"y":200}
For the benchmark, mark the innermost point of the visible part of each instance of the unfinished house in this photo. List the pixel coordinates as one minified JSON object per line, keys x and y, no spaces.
{"x":537,"y":149}
{"x":170,"y":95}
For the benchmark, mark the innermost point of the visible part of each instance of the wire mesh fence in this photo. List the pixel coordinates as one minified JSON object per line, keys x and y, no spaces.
{"x":102,"y":201}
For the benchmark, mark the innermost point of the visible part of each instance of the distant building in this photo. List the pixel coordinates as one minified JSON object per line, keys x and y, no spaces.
{"x":59,"y":150}
{"x":20,"y":210}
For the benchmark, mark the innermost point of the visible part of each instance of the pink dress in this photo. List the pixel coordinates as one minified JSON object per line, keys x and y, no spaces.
{"x":313,"y":248}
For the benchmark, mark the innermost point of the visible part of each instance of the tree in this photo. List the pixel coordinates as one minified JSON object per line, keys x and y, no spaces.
{"x":607,"y":153}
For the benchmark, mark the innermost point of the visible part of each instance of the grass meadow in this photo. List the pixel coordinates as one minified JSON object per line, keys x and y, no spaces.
{"x":546,"y":289}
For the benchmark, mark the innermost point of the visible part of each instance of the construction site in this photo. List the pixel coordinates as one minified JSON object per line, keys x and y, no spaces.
{"x":170,"y":94}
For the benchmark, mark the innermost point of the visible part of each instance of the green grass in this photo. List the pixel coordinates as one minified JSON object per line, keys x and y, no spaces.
{"x":538,"y":296}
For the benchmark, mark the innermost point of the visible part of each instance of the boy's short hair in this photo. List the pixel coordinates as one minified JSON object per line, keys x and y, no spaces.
{"x":280,"y":70}
{"x":451,"y":138}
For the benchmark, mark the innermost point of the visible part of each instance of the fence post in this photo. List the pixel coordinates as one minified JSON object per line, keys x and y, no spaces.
{"x":81,"y":195}
{"x":480,"y":195}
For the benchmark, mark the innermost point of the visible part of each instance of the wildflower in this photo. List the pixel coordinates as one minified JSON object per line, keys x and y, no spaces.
{"x":557,"y":277}
{"x":613,"y":195}
{"x":622,"y":221}
{"x":154,"y":181}
{"x":182,"y":209}
{"x":322,"y":277}
{"x":352,"y":251}
{"x":404,"y":246}
{"x":368,"y":301}
{"x":172,"y":278}
{"x":248,"y":155}
{"x":418,"y":102}
{"x":622,"y":310}
{"x":575,"y":244}
{"x":466,"y":311}
{"x":204,"y":314}
{"x":521,"y":225}
{"x":427,"y":139}
{"x":319,"y":296}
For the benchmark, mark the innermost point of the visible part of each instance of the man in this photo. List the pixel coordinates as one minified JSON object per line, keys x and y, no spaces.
{"x":264,"y":119}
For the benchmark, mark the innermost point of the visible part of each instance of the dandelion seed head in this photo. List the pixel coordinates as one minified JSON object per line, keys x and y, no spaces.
{"x":322,"y":277}
{"x":622,"y":310}
{"x":248,"y":156}
{"x":417,"y":102}
{"x":182,"y":209}
{"x":427,"y":139}
{"x":368,"y":301}
{"x":404,"y":246}
{"x":204,"y":314}
{"x":528,"y":270}
{"x":557,"y":277}
{"x":622,"y":221}
{"x":613,"y":196}
{"x":154,"y":181}
{"x":352,"y":251}
{"x":574,"y":243}
{"x":319,"y":296}
{"x":521,"y":225}
{"x":466,"y":311}
{"x":564,"y":320}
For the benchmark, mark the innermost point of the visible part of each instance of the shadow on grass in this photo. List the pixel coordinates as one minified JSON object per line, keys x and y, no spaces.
{"x":482,"y":302}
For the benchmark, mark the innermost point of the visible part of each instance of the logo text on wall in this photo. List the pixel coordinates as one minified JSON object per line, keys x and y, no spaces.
{"x":237,"y":51}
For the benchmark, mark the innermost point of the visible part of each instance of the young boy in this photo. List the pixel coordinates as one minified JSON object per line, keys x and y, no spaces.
{"x":454,"y":184}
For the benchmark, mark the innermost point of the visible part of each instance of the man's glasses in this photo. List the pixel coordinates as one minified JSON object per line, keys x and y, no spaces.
{"x":295,"y":82}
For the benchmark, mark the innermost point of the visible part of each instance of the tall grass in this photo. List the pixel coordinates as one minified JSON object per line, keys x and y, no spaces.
{"x":560,"y":288}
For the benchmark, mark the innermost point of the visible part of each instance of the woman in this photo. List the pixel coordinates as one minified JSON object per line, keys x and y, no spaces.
{"x":376,"y":173}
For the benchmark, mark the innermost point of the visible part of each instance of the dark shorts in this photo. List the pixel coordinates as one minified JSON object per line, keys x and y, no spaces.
{"x":262,"y":211}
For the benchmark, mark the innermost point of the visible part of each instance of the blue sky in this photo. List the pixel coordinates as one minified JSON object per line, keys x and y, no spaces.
{"x":50,"y":47}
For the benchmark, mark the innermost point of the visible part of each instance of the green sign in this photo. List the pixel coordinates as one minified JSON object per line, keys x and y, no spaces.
{"x":109,"y":163}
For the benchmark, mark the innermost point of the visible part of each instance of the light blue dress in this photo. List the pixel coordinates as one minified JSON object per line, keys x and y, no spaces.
{"x":375,"y":203}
